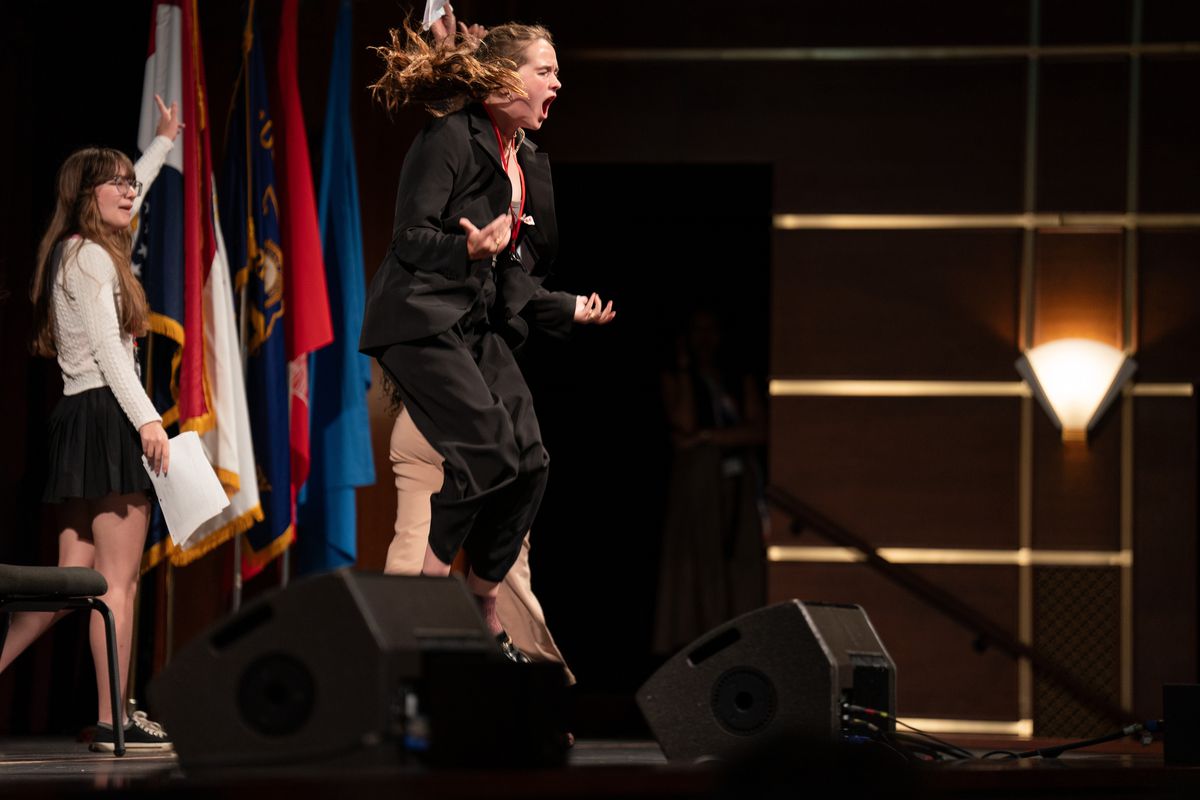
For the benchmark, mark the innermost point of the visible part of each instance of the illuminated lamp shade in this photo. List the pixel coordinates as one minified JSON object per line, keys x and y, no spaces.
{"x":1075,"y":380}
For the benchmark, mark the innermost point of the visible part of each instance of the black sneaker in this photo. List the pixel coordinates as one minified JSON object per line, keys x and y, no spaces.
{"x":510,"y":650}
{"x":141,"y":734}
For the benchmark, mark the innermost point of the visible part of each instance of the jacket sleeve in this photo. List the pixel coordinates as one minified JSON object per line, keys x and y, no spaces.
{"x":552,"y":313}
{"x":426,"y":185}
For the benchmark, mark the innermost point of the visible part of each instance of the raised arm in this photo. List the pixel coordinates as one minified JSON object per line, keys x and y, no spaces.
{"x":443,"y":27}
{"x":147,"y":167}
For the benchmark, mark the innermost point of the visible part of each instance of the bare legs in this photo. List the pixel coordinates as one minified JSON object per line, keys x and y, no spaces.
{"x":107,"y":535}
{"x":119,"y":532}
{"x":434,"y":566}
{"x":74,"y":550}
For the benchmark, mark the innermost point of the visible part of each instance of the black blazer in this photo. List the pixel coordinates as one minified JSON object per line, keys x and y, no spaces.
{"x":426,"y":283}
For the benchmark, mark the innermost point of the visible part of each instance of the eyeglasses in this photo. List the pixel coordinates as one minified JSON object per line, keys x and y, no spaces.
{"x":124,"y":184}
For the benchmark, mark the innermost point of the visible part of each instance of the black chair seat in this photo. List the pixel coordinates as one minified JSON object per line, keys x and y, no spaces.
{"x":50,"y":582}
{"x":58,"y":589}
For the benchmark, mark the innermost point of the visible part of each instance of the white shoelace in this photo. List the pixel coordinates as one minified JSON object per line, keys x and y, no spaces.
{"x":148,"y":725}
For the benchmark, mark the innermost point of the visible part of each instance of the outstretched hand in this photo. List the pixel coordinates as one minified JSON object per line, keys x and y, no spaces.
{"x":168,"y":119}
{"x":443,"y":29}
{"x":592,"y":311}
{"x":489,"y":240}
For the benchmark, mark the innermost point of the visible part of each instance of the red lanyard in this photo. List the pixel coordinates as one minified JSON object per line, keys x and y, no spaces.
{"x":520,"y":174}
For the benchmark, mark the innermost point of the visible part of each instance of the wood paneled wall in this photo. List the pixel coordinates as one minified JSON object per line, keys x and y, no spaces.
{"x":949,"y":137}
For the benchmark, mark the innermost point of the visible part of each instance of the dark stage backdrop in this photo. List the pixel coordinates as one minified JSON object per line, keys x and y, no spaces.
{"x":661,"y":241}
{"x":663,"y":150}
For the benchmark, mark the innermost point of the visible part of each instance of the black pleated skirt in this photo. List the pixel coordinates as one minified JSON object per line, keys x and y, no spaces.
{"x":94,"y":449}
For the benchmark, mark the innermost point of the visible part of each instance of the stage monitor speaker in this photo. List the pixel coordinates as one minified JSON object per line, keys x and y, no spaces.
{"x":1181,"y":720}
{"x":318,"y":670}
{"x":786,"y":668}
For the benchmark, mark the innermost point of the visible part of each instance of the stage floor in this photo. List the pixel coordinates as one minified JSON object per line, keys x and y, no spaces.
{"x":48,"y":767}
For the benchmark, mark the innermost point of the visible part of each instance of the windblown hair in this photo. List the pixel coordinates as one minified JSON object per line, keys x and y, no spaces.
{"x":77,"y":213}
{"x":443,"y":78}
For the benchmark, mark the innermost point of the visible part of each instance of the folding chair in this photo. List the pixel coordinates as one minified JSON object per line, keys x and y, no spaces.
{"x":57,"y":588}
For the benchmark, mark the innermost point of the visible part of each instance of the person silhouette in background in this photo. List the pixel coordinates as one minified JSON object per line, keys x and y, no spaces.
{"x":712,"y":566}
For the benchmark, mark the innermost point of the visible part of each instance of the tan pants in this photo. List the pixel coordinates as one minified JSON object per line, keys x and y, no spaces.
{"x":418,"y":471}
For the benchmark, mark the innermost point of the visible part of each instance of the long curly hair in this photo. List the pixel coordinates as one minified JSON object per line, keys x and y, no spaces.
{"x":443,"y":78}
{"x":77,"y":213}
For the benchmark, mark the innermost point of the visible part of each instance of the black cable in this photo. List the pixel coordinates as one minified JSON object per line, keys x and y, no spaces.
{"x":1151,"y":726}
{"x":1054,"y":752}
{"x":952,"y":749}
{"x":882,"y":738}
{"x":920,"y":749}
{"x":931,"y":743}
{"x":1005,"y":753}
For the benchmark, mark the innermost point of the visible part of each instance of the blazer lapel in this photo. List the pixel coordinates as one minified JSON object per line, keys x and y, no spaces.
{"x":539,"y":203}
{"x":484,"y":135}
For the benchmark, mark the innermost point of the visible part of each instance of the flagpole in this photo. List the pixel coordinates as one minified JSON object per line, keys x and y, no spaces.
{"x":236,"y":600}
{"x":170,"y":633}
{"x":131,"y":676}
{"x":242,"y":299}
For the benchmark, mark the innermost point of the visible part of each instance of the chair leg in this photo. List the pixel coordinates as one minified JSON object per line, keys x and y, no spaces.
{"x":114,"y":679}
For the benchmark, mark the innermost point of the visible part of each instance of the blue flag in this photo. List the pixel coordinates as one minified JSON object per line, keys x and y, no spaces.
{"x":250,"y":222}
{"x":340,"y":376}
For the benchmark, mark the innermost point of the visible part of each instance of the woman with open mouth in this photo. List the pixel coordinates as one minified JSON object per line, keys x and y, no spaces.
{"x":473,"y":240}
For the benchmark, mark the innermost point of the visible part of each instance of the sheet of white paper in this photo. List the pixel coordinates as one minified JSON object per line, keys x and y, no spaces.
{"x":189,"y":494}
{"x":434,"y":10}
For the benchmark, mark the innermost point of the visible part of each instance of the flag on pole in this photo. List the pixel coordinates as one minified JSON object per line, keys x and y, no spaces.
{"x":193,"y":367}
{"x":340,"y":376}
{"x":307,"y":319}
{"x":250,"y":221}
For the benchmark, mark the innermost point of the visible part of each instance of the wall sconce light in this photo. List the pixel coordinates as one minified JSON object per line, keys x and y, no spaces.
{"x":1075,"y":380}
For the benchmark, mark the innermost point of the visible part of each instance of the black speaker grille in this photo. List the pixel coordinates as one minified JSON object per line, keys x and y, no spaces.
{"x":276,"y":694}
{"x":744,"y":701}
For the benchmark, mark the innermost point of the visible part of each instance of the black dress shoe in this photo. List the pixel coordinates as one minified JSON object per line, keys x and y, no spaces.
{"x":510,"y":650}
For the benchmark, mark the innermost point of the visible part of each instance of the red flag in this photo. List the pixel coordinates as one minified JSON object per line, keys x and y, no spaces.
{"x":199,"y":245}
{"x":306,"y":300}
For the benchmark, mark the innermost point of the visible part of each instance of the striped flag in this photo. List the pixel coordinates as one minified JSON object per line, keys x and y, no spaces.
{"x":307,"y":318}
{"x":340,"y":375}
{"x":250,"y":222}
{"x":193,"y":366}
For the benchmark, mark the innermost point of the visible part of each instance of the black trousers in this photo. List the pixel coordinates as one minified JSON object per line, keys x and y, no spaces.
{"x":468,"y":397}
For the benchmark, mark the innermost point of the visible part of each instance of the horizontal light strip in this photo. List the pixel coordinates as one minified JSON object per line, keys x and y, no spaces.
{"x":784,"y":387}
{"x":1020,"y":557}
{"x":948,"y":53}
{"x":1163,"y":390}
{"x":799,"y":222}
{"x":780,"y":387}
{"x":1017,"y":727}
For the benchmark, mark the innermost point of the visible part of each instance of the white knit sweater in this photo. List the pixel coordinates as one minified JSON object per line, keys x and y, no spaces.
{"x":93,"y":350}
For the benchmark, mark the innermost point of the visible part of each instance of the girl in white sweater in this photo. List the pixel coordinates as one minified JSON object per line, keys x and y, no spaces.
{"x":89,"y":307}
